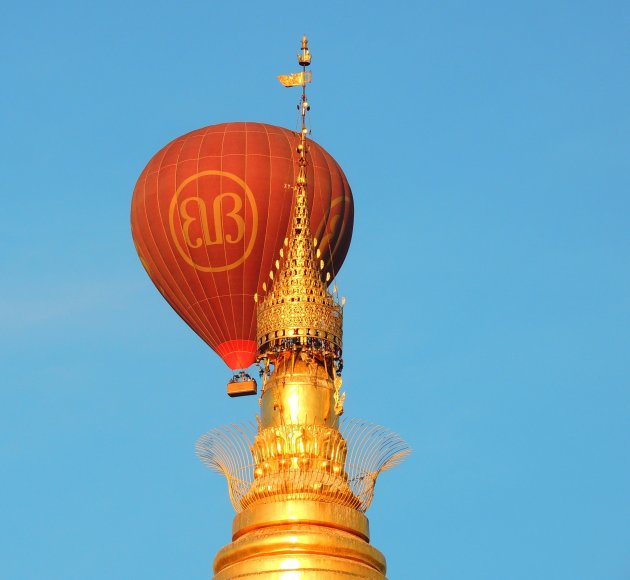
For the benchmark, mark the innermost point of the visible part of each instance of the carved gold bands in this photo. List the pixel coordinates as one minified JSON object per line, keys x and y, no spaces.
{"x":311,"y":512}
{"x":316,"y":321}
{"x":302,"y":550}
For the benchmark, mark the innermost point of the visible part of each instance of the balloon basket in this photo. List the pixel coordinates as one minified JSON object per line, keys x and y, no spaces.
{"x":241,"y":385}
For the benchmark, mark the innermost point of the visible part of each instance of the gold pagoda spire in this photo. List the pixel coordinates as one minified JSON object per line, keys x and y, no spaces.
{"x":300,"y":479}
{"x":299,"y":311}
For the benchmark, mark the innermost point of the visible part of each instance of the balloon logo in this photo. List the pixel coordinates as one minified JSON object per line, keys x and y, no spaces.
{"x":209,"y":215}
{"x":183,"y":220}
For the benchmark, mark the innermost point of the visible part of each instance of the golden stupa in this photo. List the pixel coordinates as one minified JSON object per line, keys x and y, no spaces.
{"x":300,"y":479}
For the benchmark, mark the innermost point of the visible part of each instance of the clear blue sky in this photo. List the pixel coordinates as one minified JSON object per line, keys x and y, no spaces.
{"x":488,"y":282}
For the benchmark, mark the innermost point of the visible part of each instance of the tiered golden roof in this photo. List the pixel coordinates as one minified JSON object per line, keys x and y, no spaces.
{"x":299,"y":310}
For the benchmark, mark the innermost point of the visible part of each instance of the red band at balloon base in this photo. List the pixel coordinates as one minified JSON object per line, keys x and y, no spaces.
{"x":238,"y":354}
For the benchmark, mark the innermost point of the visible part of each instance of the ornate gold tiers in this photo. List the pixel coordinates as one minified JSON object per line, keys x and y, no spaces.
{"x":299,"y":451}
{"x":291,"y":321}
{"x":299,"y":448}
{"x":299,"y":310}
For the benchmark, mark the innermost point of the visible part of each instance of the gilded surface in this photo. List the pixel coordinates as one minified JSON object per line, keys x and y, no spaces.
{"x":299,"y":309}
{"x":301,"y":478}
{"x":295,"y":79}
{"x":298,"y":552}
{"x":300,"y":390}
{"x":302,"y":461}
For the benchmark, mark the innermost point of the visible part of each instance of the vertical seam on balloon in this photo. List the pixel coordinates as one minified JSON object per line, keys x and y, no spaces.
{"x":331,"y":262}
{"x":207,"y":330}
{"x":173,"y":286}
{"x":250,"y":332}
{"x":317,"y":191}
{"x":244,"y":265}
{"x":191,"y":311}
{"x":348,"y":206}
{"x":174,"y":302}
{"x":227,"y":273}
{"x":348,"y":220}
{"x":220,"y":335}
{"x":208,"y":335}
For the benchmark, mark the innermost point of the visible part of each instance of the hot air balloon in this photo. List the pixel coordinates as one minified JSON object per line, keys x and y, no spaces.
{"x":209,"y":216}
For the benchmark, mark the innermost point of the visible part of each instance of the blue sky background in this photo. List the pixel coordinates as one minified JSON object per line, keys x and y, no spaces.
{"x":488,"y":280}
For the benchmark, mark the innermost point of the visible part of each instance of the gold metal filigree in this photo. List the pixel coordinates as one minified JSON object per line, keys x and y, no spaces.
{"x":302,"y":461}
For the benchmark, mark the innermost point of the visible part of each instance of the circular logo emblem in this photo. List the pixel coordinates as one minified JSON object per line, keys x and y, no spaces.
{"x":213,"y":220}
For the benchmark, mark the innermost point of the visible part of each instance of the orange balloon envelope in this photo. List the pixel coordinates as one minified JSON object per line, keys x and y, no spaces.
{"x":209,"y":216}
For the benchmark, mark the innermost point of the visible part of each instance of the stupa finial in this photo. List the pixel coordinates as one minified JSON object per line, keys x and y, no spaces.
{"x":298,"y":311}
